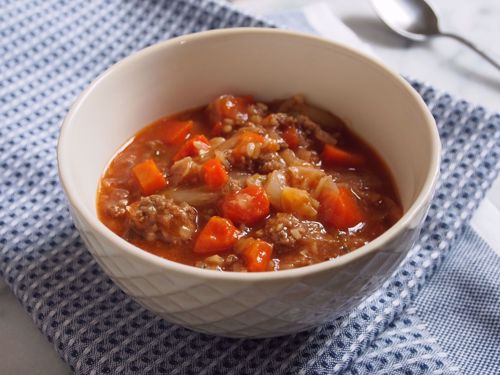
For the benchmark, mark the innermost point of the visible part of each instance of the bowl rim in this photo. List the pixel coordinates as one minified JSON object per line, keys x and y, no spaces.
{"x":423,"y":196}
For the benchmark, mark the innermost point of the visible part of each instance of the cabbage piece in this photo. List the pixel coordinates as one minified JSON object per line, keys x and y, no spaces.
{"x":185,"y":168}
{"x":325,"y":184}
{"x":276,"y":181}
{"x":195,"y":197}
{"x":299,"y":202}
{"x":306,"y":178}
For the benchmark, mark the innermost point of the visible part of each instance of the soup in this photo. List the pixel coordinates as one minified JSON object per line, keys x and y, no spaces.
{"x":242,"y":185}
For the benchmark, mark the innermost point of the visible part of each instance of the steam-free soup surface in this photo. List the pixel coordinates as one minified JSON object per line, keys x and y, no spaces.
{"x":241,"y":185}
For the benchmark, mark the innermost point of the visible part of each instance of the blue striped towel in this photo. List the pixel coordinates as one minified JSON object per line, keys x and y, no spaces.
{"x":49,"y":51}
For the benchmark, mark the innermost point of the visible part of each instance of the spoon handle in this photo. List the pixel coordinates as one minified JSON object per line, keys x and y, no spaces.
{"x":473,"y":47}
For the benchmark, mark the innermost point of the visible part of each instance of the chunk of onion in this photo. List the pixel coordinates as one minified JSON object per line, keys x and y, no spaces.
{"x":228,"y":144}
{"x":306,"y":178}
{"x":256,"y":179}
{"x":219,"y":149}
{"x":217,"y":141}
{"x":221,"y":156}
{"x":276,"y":181}
{"x":182,"y":169}
{"x":326,"y":183}
{"x":194,"y":197}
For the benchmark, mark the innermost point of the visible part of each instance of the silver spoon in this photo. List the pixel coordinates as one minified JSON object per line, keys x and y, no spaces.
{"x":416,"y":20}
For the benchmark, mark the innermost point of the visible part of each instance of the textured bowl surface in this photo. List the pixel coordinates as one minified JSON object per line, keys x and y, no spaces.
{"x":190,"y":71}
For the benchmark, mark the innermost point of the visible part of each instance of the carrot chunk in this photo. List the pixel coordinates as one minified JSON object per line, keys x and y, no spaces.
{"x":149,"y":177}
{"x":192,"y":147}
{"x":216,"y":129}
{"x":218,"y":235}
{"x":247,"y":206}
{"x":249,"y":136}
{"x":227,"y":106}
{"x":257,"y":256}
{"x":340,"y":209}
{"x":176,"y":131}
{"x":215,"y":174}
{"x":291,"y":137}
{"x":231,"y":106}
{"x":335,"y":156}
{"x":241,"y":149}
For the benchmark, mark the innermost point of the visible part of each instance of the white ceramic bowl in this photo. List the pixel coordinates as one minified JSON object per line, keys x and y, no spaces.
{"x":190,"y":71}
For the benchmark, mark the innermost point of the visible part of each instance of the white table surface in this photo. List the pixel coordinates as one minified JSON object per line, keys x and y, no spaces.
{"x":442,"y":62}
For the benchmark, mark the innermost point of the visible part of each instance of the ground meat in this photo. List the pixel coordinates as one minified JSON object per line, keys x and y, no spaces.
{"x":279,"y":120}
{"x":283,"y":122}
{"x":232,"y":186}
{"x":309,"y":156}
{"x":268,"y":162}
{"x":158,"y":218}
{"x":252,"y":119}
{"x":311,"y":128}
{"x":284,"y":230}
{"x":116,"y":202}
{"x":305,"y":126}
{"x":287,"y":232}
{"x":259,"y":109}
{"x":218,"y":262}
{"x":264,"y":163}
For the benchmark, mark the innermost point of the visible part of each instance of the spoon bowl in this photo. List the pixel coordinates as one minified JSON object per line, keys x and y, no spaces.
{"x":412,"y":19}
{"x":417,"y":20}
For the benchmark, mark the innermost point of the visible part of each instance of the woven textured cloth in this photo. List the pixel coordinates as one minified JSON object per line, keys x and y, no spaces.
{"x":461,"y":305}
{"x":453,"y":324}
{"x":49,"y":51}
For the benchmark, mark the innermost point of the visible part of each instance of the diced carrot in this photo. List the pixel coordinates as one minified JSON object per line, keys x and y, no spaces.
{"x":149,"y":177}
{"x":247,"y":206}
{"x":335,"y":156}
{"x":291,"y":137}
{"x":257,"y":256}
{"x":340,"y":209}
{"x":192,"y":147}
{"x":232,"y":106}
{"x":249,"y":136}
{"x":229,"y":106}
{"x":216,"y":129}
{"x":215,"y":174}
{"x":244,"y":139}
{"x":217,"y":236}
{"x":176,"y":131}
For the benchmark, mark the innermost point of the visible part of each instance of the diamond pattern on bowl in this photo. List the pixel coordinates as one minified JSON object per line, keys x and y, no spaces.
{"x":253,"y":308}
